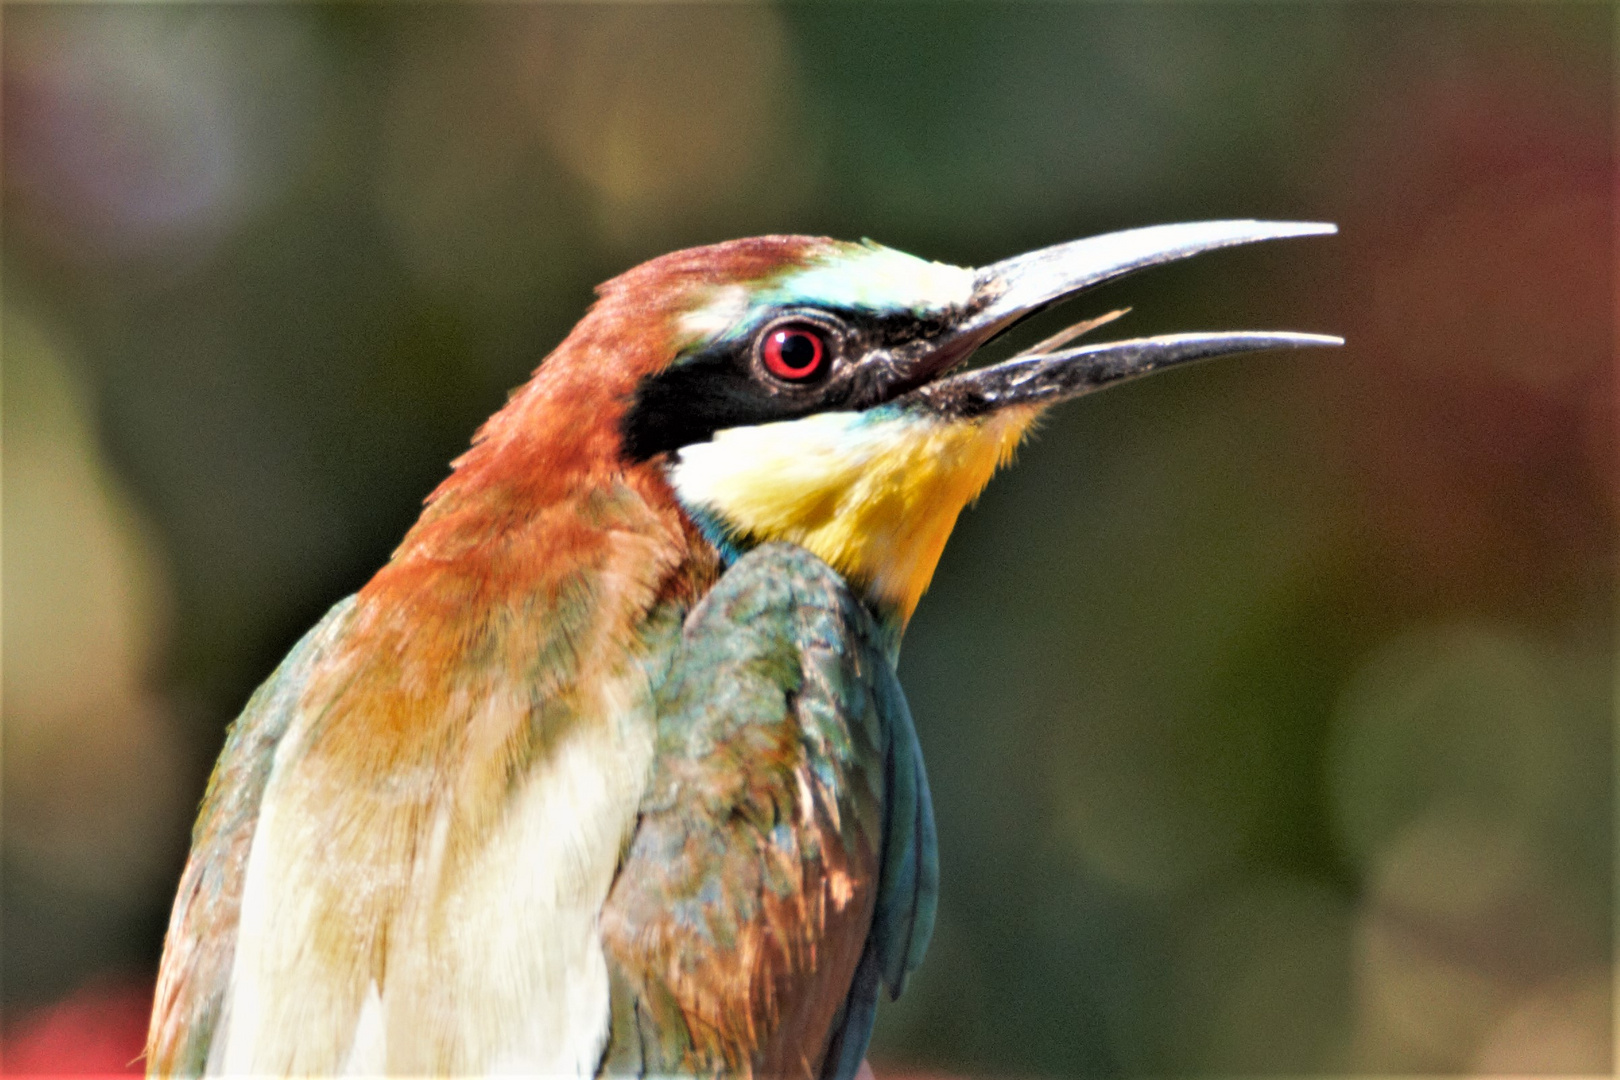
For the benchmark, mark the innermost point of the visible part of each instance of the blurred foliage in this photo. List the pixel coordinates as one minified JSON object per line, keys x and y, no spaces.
{"x":1267,"y":705}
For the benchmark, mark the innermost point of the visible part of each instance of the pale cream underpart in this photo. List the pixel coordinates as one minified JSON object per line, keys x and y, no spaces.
{"x":496,"y":969}
{"x":875,"y":495}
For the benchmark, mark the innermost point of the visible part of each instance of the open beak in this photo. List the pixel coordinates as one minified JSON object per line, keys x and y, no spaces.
{"x":1013,"y":289}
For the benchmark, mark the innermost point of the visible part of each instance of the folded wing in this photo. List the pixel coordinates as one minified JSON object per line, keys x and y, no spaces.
{"x":783,"y":863}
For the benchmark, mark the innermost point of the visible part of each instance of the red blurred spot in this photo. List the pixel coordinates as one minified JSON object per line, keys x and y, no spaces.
{"x":100,"y":1029}
{"x":1478,"y":396}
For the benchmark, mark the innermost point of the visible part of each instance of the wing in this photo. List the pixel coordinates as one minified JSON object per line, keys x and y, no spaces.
{"x":201,"y":942}
{"x":783,"y":863}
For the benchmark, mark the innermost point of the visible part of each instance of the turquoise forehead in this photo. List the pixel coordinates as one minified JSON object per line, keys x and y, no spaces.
{"x":864,"y":277}
{"x":871,"y":277}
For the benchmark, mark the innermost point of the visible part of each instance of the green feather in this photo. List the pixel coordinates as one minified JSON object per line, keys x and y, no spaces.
{"x":780,"y":668}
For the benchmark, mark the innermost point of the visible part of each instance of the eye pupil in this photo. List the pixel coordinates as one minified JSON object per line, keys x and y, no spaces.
{"x":799,"y":351}
{"x":795,"y":353}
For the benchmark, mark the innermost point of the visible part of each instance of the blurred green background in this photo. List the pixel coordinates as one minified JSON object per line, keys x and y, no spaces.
{"x":1267,"y":704}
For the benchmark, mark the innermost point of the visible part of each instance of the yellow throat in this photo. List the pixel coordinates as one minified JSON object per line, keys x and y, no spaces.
{"x":874,"y":494}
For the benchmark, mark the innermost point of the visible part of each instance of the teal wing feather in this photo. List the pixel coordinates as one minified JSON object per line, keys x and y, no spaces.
{"x":200,"y":947}
{"x":783,"y":863}
{"x":908,"y":895}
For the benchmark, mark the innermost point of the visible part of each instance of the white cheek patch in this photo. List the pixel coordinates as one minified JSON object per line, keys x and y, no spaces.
{"x":748,"y":474}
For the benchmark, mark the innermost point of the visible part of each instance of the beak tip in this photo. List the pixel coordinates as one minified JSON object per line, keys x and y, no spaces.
{"x":1308,"y":341}
{"x":1250,"y":230}
{"x":1311,"y":228}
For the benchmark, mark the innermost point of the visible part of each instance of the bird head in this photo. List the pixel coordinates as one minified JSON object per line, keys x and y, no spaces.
{"x":814,"y":390}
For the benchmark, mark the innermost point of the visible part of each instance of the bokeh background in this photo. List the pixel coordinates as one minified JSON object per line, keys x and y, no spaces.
{"x":1268,"y":704}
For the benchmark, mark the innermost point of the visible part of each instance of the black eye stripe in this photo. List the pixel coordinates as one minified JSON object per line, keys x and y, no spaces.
{"x":724,"y":386}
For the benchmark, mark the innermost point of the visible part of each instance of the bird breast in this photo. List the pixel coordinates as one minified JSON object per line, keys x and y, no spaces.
{"x":489,"y":960}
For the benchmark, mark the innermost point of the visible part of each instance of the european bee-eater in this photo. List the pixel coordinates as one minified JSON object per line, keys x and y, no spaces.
{"x":608,"y":771}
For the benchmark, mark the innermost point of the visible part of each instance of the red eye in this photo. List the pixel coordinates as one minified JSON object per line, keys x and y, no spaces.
{"x":795,"y":353}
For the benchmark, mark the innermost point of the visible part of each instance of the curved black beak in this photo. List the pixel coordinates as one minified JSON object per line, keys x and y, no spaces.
{"x":1013,"y":289}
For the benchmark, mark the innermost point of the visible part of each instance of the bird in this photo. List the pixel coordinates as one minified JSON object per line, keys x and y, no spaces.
{"x":608,"y":771}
